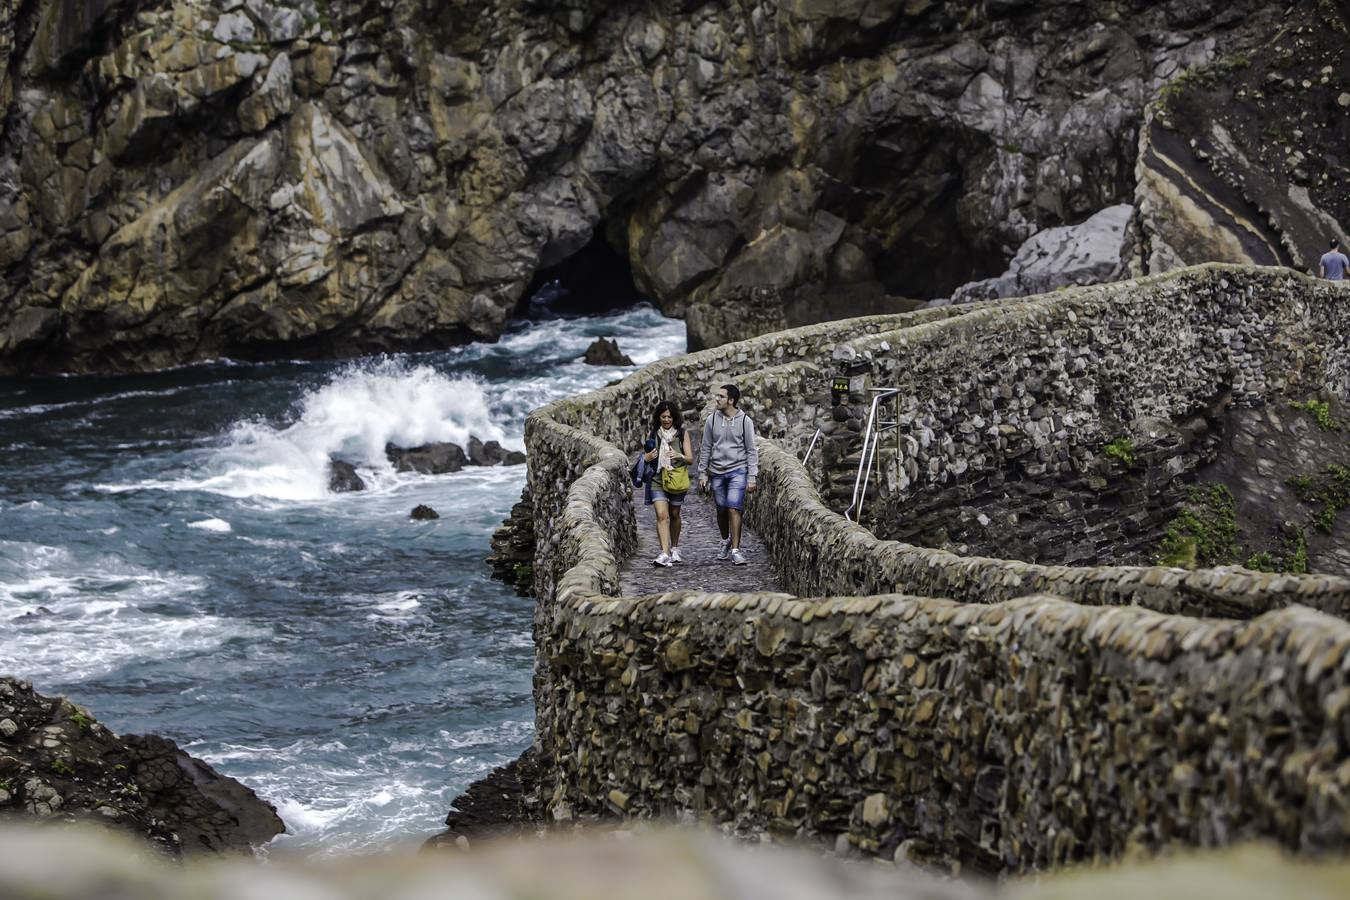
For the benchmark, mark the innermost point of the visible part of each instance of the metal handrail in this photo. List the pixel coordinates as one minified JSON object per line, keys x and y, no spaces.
{"x":811,"y":446}
{"x":871,"y":438}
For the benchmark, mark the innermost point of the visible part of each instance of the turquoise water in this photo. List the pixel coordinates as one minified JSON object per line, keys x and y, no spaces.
{"x":355,"y":668}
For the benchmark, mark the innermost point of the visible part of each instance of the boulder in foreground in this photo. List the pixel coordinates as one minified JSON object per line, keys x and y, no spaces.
{"x":57,"y":763}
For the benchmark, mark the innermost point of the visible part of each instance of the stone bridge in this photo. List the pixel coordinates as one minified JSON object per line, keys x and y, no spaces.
{"x":905,"y":701}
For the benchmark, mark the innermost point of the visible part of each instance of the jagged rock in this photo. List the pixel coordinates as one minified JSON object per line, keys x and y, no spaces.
{"x":512,"y":556}
{"x":493,"y":454}
{"x":428,"y":459}
{"x":271,"y":100}
{"x":423,"y":513}
{"x":747,"y":312}
{"x":249,"y":179}
{"x":606,"y":352}
{"x":342,"y":477}
{"x":1242,"y":159}
{"x":1088,"y":253}
{"x":61,"y":763}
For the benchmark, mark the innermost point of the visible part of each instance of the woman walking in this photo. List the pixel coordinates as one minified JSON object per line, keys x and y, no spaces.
{"x":669,"y":453}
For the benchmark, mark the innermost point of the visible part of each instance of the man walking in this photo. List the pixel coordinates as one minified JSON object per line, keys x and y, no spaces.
{"x":728,"y":454}
{"x":1334,"y":263}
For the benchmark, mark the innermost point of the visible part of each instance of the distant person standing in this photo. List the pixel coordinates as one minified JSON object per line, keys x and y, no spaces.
{"x":729,"y":456}
{"x":1334,"y":263}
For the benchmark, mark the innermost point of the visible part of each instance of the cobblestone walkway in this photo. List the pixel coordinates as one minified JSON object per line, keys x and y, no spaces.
{"x":699,"y":545}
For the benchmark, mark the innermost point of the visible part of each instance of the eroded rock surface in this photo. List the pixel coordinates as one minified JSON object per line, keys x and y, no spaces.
{"x":184,"y":179}
{"x":57,"y":763}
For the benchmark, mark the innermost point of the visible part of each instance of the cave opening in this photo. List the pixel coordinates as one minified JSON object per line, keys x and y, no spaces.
{"x":908,"y":198}
{"x":596,"y":279}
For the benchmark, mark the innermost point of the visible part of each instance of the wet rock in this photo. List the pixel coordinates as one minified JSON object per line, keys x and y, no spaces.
{"x":342,"y":477}
{"x":423,"y":513}
{"x":493,"y":454}
{"x":428,"y":459}
{"x":512,"y":556}
{"x":61,"y":763}
{"x":606,"y":352}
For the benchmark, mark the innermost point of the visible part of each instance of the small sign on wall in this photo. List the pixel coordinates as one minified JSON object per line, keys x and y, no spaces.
{"x":839,"y":389}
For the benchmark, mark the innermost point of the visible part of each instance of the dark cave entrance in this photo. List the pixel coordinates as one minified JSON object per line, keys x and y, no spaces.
{"x":907,"y":196}
{"x":596,"y":279}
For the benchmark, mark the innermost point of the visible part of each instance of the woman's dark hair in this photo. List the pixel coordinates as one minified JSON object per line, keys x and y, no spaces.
{"x":677,"y":420}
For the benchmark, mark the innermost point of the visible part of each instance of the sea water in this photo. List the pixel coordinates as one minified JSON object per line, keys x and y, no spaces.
{"x":171,"y":558}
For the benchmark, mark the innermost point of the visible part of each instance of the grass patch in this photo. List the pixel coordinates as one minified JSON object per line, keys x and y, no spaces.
{"x":1292,"y":556}
{"x":1328,"y":490}
{"x":1204,"y":532}
{"x":1121,"y":449}
{"x":61,"y":767}
{"x":1320,"y":410}
{"x":1205,"y":77}
{"x":81,"y":721}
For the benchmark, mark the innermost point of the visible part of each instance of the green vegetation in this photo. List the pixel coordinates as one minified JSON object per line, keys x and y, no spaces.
{"x":1122,"y":449}
{"x":1208,"y":76}
{"x":1320,"y":410}
{"x":61,"y":767}
{"x":1205,"y":531}
{"x":81,"y":721}
{"x":523,"y":573}
{"x":1329,"y":490}
{"x":1292,"y":558}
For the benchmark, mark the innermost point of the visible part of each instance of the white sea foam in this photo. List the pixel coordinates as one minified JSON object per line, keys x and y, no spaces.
{"x":217,"y":525}
{"x":353,"y":416}
{"x":97,"y":614}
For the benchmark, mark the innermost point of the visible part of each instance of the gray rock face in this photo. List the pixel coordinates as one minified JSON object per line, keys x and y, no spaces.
{"x":184,"y":179}
{"x":1089,"y":253}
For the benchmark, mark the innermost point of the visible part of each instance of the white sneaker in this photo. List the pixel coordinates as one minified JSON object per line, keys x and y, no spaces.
{"x":726,"y":549}
{"x":675,"y":555}
{"x":663,"y":560}
{"x":737,"y":557}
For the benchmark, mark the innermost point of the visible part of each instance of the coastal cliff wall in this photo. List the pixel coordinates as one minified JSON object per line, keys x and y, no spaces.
{"x":186,"y":179}
{"x":949,"y":706}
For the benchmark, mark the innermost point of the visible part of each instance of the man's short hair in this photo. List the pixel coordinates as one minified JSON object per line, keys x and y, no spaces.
{"x":733,"y":393}
{"x":1334,"y":243}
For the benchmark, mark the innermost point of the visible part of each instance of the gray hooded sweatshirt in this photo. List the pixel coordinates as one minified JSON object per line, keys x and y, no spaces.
{"x":727,"y":445}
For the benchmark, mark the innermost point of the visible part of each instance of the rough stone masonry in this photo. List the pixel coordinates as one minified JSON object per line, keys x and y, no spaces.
{"x":910,"y":702}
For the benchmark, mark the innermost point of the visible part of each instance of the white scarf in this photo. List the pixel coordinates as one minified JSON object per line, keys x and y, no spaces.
{"x":664,"y":451}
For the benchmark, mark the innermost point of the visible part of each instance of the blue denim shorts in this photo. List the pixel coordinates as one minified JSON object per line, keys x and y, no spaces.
{"x":729,"y":489}
{"x":675,"y":500}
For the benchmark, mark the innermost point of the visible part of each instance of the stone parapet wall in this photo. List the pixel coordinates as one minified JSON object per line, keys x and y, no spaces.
{"x":818,"y":552}
{"x":1039,"y":383}
{"x":1018,"y":735}
{"x":997,"y":725}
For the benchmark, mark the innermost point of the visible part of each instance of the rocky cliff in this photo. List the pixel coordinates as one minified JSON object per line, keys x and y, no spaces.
{"x":59,"y":764}
{"x":184,"y":179}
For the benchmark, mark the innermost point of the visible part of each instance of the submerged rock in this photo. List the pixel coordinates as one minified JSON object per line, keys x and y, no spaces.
{"x":59,"y":763}
{"x":423,"y":513}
